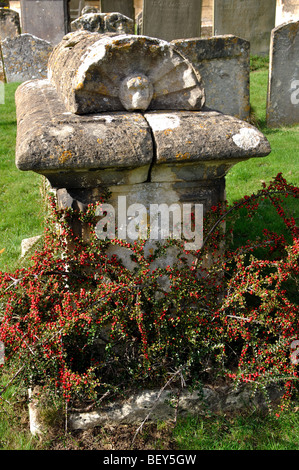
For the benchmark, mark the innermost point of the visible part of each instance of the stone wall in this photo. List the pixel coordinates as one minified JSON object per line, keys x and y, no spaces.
{"x":286,"y":10}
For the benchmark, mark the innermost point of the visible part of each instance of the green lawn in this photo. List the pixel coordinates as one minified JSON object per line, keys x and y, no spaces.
{"x":21,"y":206}
{"x":22,"y":216}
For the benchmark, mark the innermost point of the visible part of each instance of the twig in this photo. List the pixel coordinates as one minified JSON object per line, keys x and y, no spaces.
{"x":179,"y":371}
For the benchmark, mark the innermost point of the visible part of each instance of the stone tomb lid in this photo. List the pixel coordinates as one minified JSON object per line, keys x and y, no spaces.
{"x":80,"y":151}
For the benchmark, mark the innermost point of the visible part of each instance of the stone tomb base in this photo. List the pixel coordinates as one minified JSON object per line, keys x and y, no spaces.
{"x":157,"y":405}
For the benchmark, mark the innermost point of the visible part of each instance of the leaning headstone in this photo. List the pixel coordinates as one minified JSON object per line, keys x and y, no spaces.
{"x":103,"y":23}
{"x":47,"y":20}
{"x":2,"y":75}
{"x":9,"y":23}
{"x":125,"y":7}
{"x":25,"y":57}
{"x":283,"y":89}
{"x":171,"y":19}
{"x":251,"y":20}
{"x":286,"y":10}
{"x":223,"y":63}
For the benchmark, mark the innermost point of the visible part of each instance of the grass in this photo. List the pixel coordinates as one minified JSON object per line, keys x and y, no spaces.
{"x":22,"y":216}
{"x":254,"y":431}
{"x":21,"y":206}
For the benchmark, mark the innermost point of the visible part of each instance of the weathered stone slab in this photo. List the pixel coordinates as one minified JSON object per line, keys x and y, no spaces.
{"x":286,"y":10}
{"x":75,"y":151}
{"x":9,"y":23}
{"x":25,"y":57}
{"x":103,"y":23}
{"x":171,"y":19}
{"x":223,"y":63}
{"x":79,"y":151}
{"x":46,"y":19}
{"x":162,"y":406}
{"x":125,"y":7}
{"x":94,"y":73}
{"x":251,"y":20}
{"x":187,"y":144}
{"x":283,"y":89}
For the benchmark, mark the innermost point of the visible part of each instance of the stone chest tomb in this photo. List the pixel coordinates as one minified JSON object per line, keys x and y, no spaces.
{"x":127,"y":113}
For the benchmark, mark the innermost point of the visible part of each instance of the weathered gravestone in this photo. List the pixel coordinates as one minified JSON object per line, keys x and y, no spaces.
{"x":286,"y":10}
{"x":103,"y":23}
{"x":171,"y":19}
{"x":25,"y":57}
{"x":224,"y":65}
{"x":84,"y":136}
{"x":2,"y":75}
{"x":125,"y":7}
{"x":9,"y":24}
{"x":283,"y":89}
{"x":249,"y":19}
{"x":46,"y":19}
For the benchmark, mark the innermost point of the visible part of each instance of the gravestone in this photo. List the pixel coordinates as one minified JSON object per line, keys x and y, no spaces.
{"x":25,"y":57}
{"x":9,"y":23}
{"x":103,"y":23}
{"x":283,"y":89}
{"x":252,"y":20}
{"x":286,"y":10}
{"x":125,"y":7}
{"x":126,"y":113}
{"x":2,"y":75}
{"x":47,"y":19}
{"x":171,"y":19}
{"x":224,"y":66}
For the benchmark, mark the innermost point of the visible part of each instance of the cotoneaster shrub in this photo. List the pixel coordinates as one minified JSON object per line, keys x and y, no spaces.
{"x":82,"y":326}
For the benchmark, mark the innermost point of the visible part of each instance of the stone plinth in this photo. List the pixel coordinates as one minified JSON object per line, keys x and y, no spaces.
{"x":144,"y":135}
